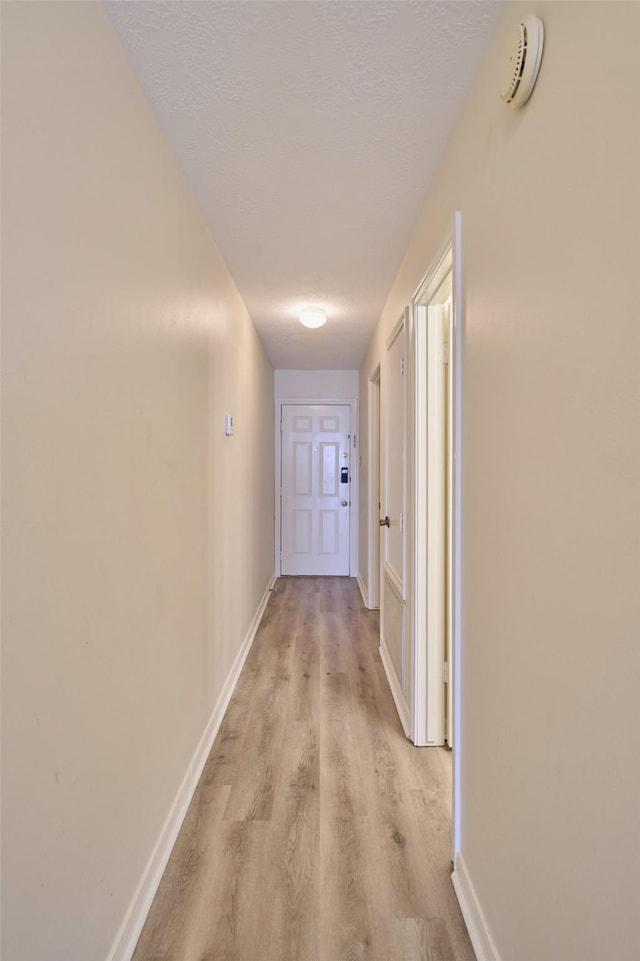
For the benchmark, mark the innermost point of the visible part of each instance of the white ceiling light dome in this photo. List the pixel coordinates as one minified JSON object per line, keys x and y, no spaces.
{"x":313,"y":317}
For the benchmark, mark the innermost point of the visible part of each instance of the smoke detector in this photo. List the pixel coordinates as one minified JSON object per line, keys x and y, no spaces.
{"x":521,"y":61}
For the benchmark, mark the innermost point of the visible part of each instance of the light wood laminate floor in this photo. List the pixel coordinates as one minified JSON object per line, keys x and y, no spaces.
{"x":317,"y":832}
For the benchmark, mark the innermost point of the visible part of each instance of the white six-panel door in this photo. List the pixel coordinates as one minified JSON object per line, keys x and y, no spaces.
{"x":315,"y":494}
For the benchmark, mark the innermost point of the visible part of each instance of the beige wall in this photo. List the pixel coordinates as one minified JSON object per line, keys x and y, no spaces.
{"x":550,"y":199}
{"x":137,"y":539}
{"x":316,"y":384}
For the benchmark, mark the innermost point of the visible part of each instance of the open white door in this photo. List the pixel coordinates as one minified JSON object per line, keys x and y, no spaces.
{"x":394,"y":650}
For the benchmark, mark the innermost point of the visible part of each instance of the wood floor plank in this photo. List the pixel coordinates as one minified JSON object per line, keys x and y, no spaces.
{"x":288,"y":918}
{"x":345,"y":929}
{"x":305,"y":679}
{"x":317,"y":832}
{"x":252,"y":790}
{"x":175,"y":903}
{"x":438,"y":945}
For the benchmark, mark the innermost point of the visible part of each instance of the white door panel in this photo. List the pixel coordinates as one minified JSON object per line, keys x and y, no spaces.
{"x":393,"y":613}
{"x":395,"y":452}
{"x":315,"y":513}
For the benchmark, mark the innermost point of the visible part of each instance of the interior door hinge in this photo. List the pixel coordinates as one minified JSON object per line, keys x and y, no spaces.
{"x":445,"y":671}
{"x":280,"y":426}
{"x":402,"y":366}
{"x":354,"y":441}
{"x":445,"y":352}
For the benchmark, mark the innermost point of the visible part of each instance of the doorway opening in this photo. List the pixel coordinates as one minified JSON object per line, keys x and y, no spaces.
{"x":436,"y":582}
{"x":432,"y":316}
{"x":420,"y":514}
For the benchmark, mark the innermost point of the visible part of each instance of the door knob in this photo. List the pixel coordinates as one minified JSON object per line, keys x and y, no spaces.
{"x":345,"y":503}
{"x":385,"y":523}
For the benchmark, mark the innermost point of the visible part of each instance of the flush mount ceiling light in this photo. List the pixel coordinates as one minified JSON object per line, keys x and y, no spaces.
{"x":521,"y":61}
{"x":313,"y":318}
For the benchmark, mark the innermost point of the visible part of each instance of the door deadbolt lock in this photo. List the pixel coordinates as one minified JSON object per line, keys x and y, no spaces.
{"x":385,"y":522}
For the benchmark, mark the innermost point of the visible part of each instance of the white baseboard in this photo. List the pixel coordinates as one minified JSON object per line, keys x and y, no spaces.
{"x":481,"y":939}
{"x":363,"y":591}
{"x":130,"y":929}
{"x":396,"y":690}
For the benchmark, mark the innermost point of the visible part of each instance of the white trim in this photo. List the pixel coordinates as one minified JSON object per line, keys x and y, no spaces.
{"x":456,"y":354}
{"x":363,"y":591}
{"x":428,"y":581}
{"x":127,"y":937}
{"x":420,"y":580}
{"x":483,"y":944}
{"x":354,"y":461}
{"x":439,"y":267}
{"x":396,"y":690}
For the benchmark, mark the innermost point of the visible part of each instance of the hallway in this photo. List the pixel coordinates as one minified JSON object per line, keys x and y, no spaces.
{"x":317,"y":832}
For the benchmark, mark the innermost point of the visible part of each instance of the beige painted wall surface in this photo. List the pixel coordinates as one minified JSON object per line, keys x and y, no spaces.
{"x":550,"y":199}
{"x":316,"y":384}
{"x":125,"y":597}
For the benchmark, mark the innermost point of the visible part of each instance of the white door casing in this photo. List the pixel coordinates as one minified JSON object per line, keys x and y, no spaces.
{"x":315,"y":493}
{"x":455,"y":490}
{"x":449,"y":537}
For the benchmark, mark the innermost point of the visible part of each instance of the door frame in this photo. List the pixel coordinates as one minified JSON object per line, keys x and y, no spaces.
{"x":451,"y":248}
{"x":352,"y":404}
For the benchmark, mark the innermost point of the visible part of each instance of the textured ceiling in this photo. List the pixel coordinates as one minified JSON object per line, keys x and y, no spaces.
{"x":310,"y":133}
